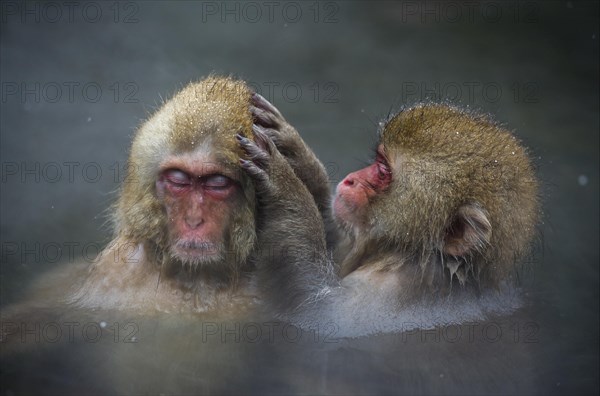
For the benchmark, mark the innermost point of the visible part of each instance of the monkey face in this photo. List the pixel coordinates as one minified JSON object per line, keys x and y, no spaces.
{"x":354,"y":193}
{"x":184,"y":195}
{"x":199,"y":195}
{"x":452,"y":183}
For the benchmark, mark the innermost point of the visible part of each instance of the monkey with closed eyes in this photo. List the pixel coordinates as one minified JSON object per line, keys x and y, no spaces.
{"x":186,"y":218}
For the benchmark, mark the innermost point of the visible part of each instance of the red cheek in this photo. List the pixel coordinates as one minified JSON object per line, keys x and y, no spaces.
{"x":348,"y":206}
{"x":368,"y":181}
{"x":220,"y":194}
{"x":177,"y":191}
{"x":357,"y":189}
{"x":197,"y":212}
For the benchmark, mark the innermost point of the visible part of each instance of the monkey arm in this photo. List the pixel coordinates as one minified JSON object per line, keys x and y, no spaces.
{"x":305,"y":164}
{"x":294,"y":265}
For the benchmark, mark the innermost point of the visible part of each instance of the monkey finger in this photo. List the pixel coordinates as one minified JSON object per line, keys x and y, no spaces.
{"x":254,"y":171}
{"x":262,"y":139}
{"x":264,"y":118}
{"x":257,"y":154}
{"x":269,"y":132}
{"x":259,"y":101}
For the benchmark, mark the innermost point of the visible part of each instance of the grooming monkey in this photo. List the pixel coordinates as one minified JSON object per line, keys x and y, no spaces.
{"x":185,"y":221}
{"x":435,"y":223}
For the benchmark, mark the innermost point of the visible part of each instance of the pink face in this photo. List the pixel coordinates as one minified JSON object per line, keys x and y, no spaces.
{"x":199,"y":198}
{"x":354,"y":193}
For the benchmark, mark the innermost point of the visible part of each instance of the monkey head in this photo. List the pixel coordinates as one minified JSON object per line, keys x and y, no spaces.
{"x":184,"y":196}
{"x":445,"y":184}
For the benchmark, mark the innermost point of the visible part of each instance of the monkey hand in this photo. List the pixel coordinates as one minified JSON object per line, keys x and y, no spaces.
{"x":292,"y":227}
{"x":269,"y":121}
{"x":272,"y":174}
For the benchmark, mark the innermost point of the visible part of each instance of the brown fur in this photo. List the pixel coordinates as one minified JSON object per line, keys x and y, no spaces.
{"x":443,"y":159}
{"x":212,"y":112}
{"x":461,"y":207}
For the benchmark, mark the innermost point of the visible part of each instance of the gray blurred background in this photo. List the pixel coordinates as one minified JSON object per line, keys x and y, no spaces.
{"x":78,"y":78}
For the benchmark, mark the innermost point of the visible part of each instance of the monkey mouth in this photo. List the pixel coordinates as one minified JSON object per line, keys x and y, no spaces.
{"x":341,"y":208}
{"x":347,"y":215}
{"x":196,"y":252}
{"x":341,"y":211}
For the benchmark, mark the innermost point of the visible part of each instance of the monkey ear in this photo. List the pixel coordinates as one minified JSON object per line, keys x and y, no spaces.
{"x":469,"y":231}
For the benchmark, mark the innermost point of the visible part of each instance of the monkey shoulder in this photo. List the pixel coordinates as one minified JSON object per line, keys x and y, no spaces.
{"x":370,"y":288}
{"x":129,"y":280}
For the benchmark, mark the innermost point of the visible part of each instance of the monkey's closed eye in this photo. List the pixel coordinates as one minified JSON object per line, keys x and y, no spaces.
{"x":217,"y":182}
{"x":177,"y":177}
{"x":384,"y":172}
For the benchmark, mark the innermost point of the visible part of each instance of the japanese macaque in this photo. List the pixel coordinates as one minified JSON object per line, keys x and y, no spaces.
{"x":436,"y":224}
{"x":185,"y":220}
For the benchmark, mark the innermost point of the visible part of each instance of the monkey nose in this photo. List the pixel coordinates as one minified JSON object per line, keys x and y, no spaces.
{"x":348,"y":181}
{"x":194,"y":222}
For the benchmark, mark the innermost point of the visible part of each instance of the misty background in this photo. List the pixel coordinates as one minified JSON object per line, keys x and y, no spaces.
{"x":77,"y":80}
